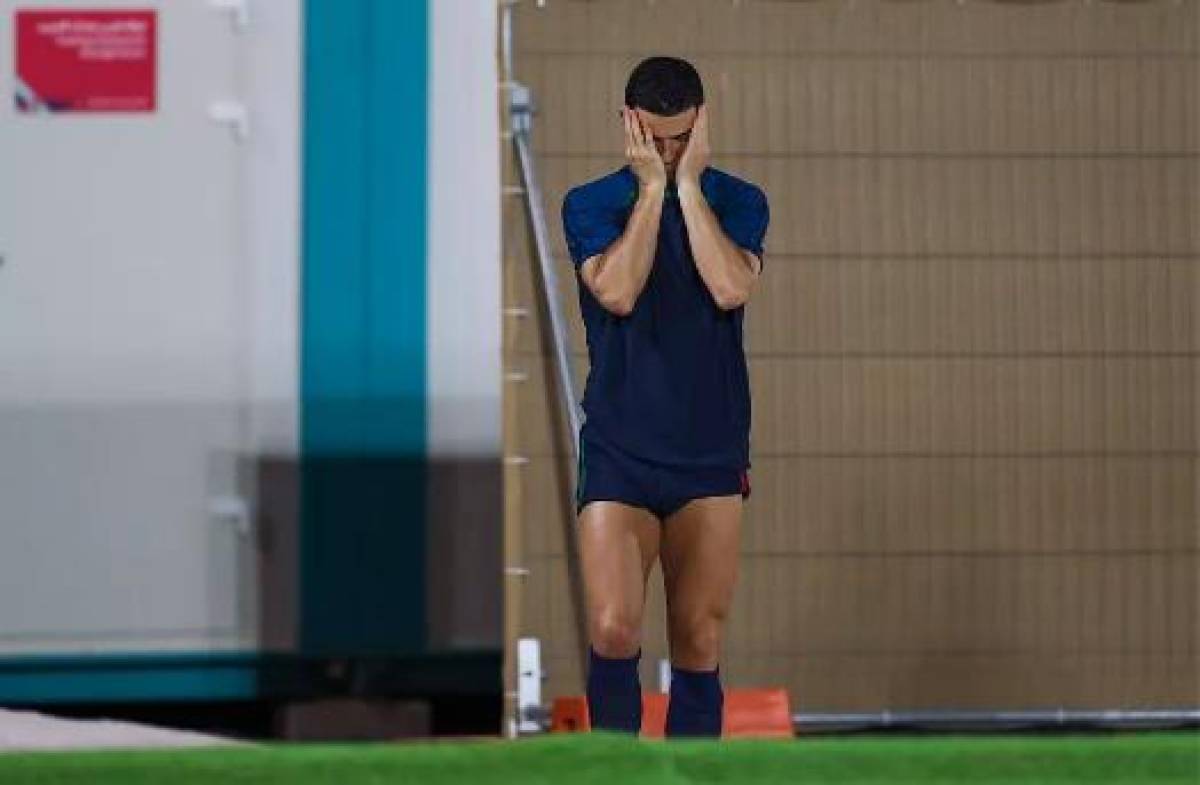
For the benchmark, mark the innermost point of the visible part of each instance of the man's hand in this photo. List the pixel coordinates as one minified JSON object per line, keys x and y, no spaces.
{"x":696,"y":155}
{"x":643,"y":156}
{"x":727,"y":270}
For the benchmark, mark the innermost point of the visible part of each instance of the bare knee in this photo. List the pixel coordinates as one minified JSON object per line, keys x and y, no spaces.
{"x":696,"y":639}
{"x":615,"y":633}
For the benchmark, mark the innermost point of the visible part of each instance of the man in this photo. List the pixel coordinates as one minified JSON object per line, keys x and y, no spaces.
{"x":667,"y":252}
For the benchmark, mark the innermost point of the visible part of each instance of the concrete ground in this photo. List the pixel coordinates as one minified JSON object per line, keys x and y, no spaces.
{"x":29,"y":730}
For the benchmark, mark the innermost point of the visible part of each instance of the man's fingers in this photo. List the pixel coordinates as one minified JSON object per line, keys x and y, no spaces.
{"x":700,"y":127}
{"x":643,"y":134}
{"x":632,"y":139}
{"x":631,"y":127}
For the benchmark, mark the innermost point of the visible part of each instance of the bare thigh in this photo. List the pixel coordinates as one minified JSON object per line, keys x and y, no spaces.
{"x":618,"y":544}
{"x":700,"y":547}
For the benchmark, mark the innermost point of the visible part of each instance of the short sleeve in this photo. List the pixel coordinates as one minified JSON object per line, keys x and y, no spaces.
{"x":744,"y":218}
{"x":589,"y":228}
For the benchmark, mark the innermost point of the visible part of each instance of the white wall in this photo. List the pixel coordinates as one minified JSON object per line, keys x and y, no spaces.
{"x":148,"y":334}
{"x":272,"y":88}
{"x":200,"y":333}
{"x":107,"y":201}
{"x":464,"y":491}
{"x":464,"y":230}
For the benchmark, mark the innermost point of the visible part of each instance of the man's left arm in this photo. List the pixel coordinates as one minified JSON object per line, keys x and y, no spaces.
{"x":727,"y":269}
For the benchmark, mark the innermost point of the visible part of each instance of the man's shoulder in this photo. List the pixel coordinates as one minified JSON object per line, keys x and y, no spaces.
{"x":615,"y":189}
{"x":721,"y":186}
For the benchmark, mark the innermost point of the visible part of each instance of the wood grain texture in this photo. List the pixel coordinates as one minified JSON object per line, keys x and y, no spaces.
{"x":974,"y":352}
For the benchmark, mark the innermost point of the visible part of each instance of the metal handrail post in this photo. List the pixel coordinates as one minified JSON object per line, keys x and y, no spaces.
{"x":520,"y":105}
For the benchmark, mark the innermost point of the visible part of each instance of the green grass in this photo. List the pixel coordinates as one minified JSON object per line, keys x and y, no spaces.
{"x":1159,"y":757}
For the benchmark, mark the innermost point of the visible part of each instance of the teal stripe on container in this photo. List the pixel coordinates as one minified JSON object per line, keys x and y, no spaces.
{"x":104,"y":677}
{"x":396,"y":213}
{"x":363,"y":339}
{"x":145,"y":677}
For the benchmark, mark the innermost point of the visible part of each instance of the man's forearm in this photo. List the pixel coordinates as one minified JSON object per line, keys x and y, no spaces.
{"x":723,"y":266}
{"x":621,"y":271}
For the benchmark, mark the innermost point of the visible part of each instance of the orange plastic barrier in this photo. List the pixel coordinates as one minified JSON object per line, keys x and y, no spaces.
{"x":749,"y":713}
{"x":570,"y":715}
{"x":654,"y":714}
{"x":758,"y":713}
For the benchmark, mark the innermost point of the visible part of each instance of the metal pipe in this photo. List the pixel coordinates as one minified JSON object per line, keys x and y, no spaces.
{"x":537,"y":220}
{"x":982,"y":721}
{"x":522,"y":114}
{"x":521,"y":110}
{"x":994,"y":720}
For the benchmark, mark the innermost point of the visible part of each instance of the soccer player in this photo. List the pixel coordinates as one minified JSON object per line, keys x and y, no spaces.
{"x":667,"y":251}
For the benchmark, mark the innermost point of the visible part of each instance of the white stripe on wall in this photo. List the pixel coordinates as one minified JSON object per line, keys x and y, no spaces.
{"x":464,"y":231}
{"x":272,"y":78}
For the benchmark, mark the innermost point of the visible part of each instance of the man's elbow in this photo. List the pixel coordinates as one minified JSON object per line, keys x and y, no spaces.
{"x":732,"y":296}
{"x":607,"y":290}
{"x":615,"y":299}
{"x":735,"y":290}
{"x":617,"y":304}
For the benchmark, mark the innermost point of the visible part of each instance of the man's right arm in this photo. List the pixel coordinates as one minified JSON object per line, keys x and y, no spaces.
{"x":617,"y":276}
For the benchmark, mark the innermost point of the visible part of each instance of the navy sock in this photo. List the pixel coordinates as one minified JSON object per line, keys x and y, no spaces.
{"x":614,"y":692}
{"x":697,"y":703}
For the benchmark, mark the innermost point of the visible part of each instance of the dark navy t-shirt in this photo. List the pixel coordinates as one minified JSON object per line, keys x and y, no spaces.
{"x":668,"y":382}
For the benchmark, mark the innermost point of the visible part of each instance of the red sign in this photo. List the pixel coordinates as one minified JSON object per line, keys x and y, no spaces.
{"x":85,"y":61}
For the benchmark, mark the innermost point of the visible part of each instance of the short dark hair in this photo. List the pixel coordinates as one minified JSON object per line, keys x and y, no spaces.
{"x":664,"y":86}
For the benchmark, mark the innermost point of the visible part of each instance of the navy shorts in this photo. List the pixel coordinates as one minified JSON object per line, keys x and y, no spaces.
{"x":607,"y":473}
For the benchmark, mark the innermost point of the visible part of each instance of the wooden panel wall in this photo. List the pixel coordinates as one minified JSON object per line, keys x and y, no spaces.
{"x":974,"y":351}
